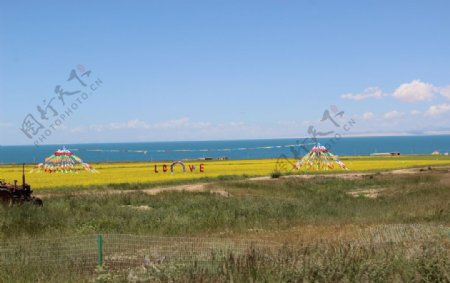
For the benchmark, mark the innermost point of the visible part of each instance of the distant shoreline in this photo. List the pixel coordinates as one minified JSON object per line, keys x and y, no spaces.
{"x":343,"y":157}
{"x":229,"y":149}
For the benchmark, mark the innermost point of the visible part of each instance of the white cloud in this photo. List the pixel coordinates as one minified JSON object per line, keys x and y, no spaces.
{"x":370,"y":92}
{"x":415,"y":112}
{"x":437,"y":132}
{"x":445,"y":91}
{"x":132,"y":124}
{"x":139,"y":124}
{"x":368,"y":116}
{"x":170,"y":124}
{"x":185,"y":129}
{"x":393,"y":114}
{"x":436,"y":110}
{"x":414,"y":91}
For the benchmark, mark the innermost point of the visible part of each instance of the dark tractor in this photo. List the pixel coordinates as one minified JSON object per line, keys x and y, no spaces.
{"x":17,"y":194}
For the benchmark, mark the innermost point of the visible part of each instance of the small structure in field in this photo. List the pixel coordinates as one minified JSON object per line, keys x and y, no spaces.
{"x":63,"y":161}
{"x":386,"y":154}
{"x":319,"y":158}
{"x":436,"y":152}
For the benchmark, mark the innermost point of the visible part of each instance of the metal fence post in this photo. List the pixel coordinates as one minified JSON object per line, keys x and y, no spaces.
{"x":99,"y":250}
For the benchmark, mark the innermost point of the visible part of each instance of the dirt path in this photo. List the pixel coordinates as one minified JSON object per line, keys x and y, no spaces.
{"x":349,"y":176}
{"x":203,"y":187}
{"x":195,"y":188}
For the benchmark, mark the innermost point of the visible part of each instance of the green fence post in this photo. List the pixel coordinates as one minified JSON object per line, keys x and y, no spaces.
{"x":100,"y":250}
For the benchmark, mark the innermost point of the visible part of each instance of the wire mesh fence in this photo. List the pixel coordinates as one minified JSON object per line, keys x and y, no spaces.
{"x":75,"y":253}
{"x":401,"y":233}
{"x":123,"y":251}
{"x":118,"y":251}
{"x":82,"y":254}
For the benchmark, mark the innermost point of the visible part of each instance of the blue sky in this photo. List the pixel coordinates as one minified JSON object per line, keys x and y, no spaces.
{"x":200,"y":70}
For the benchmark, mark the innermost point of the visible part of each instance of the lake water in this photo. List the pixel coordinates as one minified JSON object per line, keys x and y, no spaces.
{"x":235,"y":149}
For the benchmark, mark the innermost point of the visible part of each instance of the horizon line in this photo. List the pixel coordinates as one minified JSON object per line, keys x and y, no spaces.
{"x":362,"y":135}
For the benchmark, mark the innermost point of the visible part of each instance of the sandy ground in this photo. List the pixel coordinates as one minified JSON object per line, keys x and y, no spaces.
{"x":195,"y":188}
{"x":370,"y":193}
{"x":203,"y":187}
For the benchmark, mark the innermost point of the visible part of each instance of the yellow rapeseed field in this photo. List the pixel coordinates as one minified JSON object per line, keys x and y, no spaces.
{"x":140,"y":172}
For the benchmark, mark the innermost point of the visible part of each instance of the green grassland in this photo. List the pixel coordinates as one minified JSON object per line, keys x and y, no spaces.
{"x":271,"y":204}
{"x":320,"y":219}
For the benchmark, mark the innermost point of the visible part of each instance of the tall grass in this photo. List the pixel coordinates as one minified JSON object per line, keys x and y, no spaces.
{"x":273,"y":205}
{"x":331,"y":263}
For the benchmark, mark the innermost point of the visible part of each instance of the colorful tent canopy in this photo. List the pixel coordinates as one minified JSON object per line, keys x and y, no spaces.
{"x":319,"y":158}
{"x":63,"y":161}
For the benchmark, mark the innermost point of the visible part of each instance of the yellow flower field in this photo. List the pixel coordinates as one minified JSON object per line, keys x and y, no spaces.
{"x":139,"y":172}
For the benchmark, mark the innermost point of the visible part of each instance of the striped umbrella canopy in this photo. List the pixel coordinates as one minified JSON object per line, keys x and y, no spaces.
{"x":63,"y":161}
